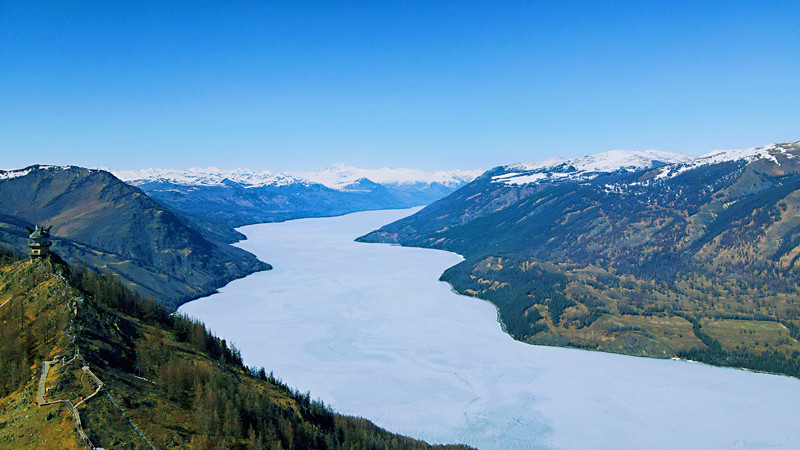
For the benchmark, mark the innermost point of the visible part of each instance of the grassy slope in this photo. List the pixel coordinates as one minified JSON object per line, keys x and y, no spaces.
{"x":181,"y":386}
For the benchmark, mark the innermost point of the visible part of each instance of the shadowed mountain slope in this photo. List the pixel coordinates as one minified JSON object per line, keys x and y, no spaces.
{"x":106,"y":224}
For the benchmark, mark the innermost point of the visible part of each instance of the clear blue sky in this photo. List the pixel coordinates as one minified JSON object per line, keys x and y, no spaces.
{"x":427,"y":84}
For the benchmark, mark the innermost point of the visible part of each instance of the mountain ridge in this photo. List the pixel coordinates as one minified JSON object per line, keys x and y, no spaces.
{"x":595,"y":259}
{"x":587,"y":167}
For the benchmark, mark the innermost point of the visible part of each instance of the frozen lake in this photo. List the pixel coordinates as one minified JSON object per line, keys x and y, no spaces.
{"x":369,"y":329}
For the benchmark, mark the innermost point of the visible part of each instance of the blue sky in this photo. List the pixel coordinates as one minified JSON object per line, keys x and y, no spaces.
{"x":428,"y":84}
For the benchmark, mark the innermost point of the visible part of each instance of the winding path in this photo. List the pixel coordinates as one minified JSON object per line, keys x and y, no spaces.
{"x":72,"y":408}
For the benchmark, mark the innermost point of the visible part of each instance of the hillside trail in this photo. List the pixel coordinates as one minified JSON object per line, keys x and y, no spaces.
{"x":72,"y":408}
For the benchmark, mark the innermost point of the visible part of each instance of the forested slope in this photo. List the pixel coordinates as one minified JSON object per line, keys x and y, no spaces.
{"x":138,"y":377}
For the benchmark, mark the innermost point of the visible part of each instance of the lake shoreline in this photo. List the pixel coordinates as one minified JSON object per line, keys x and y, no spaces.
{"x":344,"y":320}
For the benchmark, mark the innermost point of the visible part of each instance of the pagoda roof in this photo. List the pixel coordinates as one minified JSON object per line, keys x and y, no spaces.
{"x":40,"y":232}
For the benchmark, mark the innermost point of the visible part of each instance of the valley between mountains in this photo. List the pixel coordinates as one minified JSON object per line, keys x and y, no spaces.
{"x":92,"y":354}
{"x":646,"y":253}
{"x":169,"y":238}
{"x":638,"y":252}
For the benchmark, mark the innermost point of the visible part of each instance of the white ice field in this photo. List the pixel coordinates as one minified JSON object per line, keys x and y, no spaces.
{"x":369,"y":329}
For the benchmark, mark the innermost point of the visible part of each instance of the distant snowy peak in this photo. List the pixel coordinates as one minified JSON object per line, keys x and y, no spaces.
{"x":206,"y":177}
{"x":588,"y":167}
{"x":339,"y":176}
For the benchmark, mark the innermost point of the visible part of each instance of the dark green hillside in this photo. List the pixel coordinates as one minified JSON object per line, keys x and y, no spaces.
{"x":166,"y":381}
{"x":702,"y":264}
{"x":108,"y":225}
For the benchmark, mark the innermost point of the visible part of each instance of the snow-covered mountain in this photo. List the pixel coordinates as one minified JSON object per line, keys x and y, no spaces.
{"x":670,"y":164}
{"x":588,"y":167}
{"x":244,"y":196}
{"x":338,"y":176}
{"x":210,"y":176}
{"x":341,"y":175}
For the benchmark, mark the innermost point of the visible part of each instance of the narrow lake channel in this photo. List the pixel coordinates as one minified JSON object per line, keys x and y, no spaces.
{"x":370,"y":330}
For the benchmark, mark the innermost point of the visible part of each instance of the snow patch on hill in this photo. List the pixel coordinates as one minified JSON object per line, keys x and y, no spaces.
{"x":16,"y":173}
{"x":9,"y":174}
{"x":587,"y":167}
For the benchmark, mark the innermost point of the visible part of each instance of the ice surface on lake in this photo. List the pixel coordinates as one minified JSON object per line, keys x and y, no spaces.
{"x":369,"y":329}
